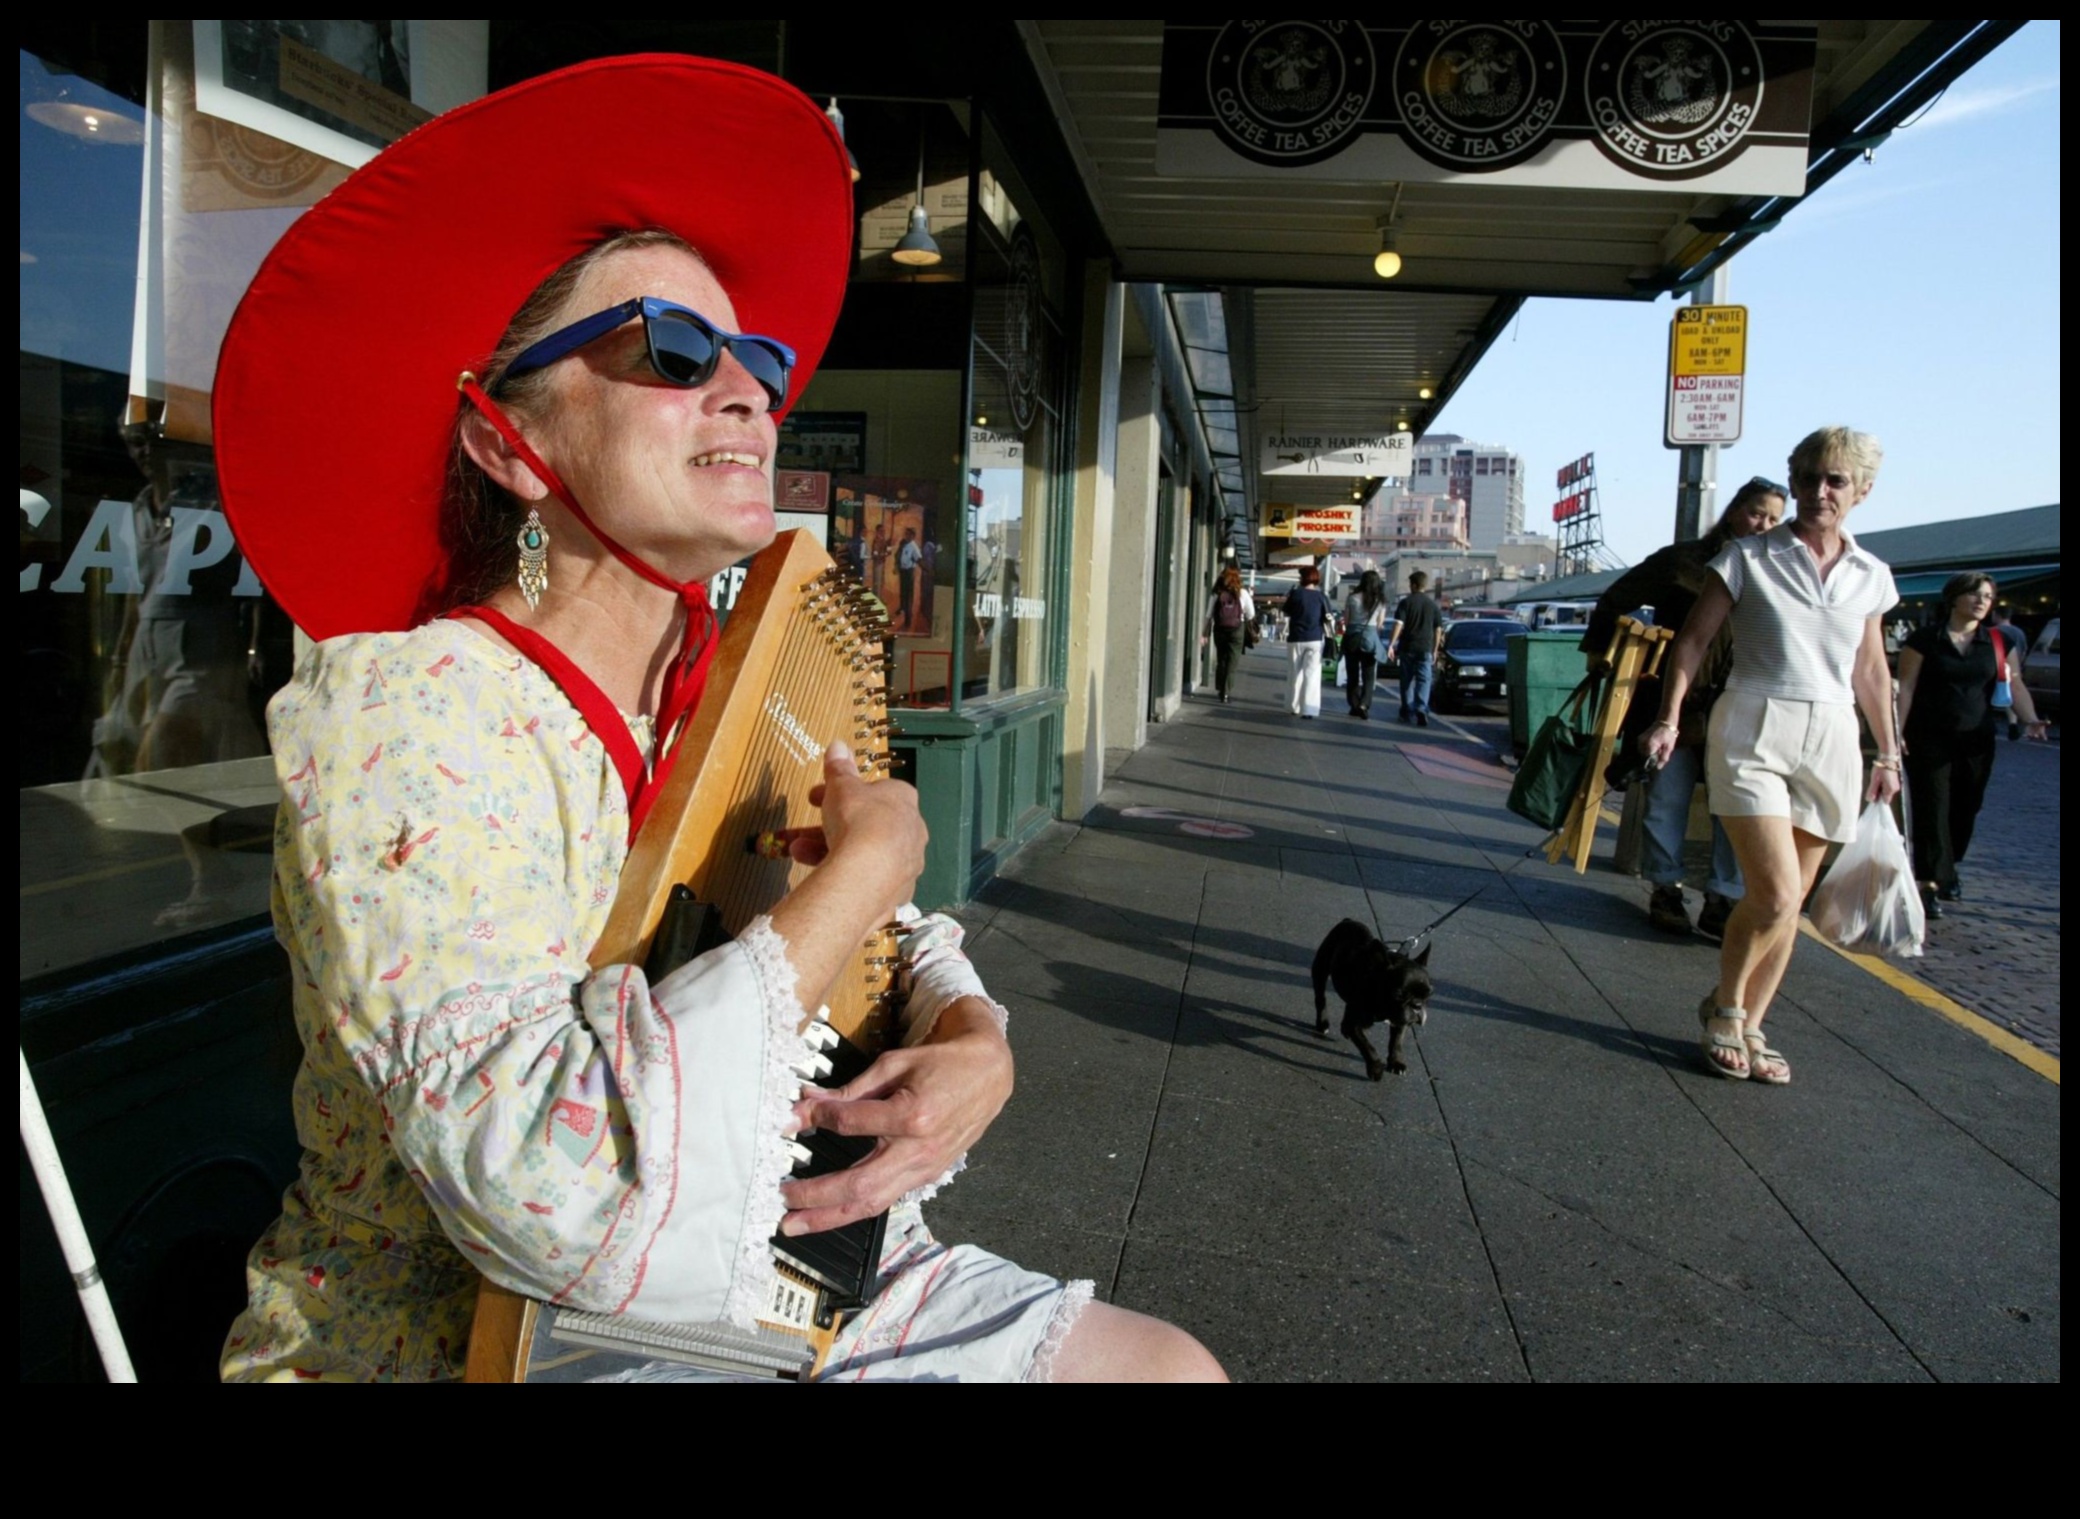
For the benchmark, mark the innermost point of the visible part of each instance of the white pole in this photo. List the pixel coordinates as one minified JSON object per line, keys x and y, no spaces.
{"x":72,"y":1234}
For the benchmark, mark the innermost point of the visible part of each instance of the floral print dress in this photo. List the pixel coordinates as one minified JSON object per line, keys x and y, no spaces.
{"x":474,"y":1100}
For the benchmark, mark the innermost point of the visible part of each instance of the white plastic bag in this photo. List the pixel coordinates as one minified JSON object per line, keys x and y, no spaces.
{"x":1870,"y":900}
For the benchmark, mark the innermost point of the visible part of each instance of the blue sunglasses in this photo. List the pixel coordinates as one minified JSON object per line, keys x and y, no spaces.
{"x":684,"y":347}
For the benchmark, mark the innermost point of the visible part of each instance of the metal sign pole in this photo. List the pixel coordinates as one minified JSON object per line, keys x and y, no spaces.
{"x":1697,"y":467}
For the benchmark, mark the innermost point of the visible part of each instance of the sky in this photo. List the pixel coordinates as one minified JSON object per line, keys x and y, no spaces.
{"x":1914,"y":297}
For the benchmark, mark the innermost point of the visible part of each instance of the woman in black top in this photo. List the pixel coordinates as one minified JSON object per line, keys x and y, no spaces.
{"x":1947,"y":676}
{"x":1307,"y":614}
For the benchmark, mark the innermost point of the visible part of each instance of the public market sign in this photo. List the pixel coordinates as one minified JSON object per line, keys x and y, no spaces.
{"x":1321,"y":522}
{"x":1715,"y":107}
{"x":1336,"y":454}
{"x":1707,"y":369}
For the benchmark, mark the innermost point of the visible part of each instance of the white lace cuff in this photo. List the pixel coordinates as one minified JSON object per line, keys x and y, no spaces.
{"x":933,"y":974}
{"x":1068,"y":1308}
{"x":779,"y":1085}
{"x":736,"y":1024}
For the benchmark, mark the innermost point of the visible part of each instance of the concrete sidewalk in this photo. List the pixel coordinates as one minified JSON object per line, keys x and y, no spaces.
{"x":1555,"y":1190}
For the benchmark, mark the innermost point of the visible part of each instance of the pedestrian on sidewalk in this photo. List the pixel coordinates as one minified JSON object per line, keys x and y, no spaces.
{"x":1307,"y":613}
{"x":1669,"y":580}
{"x":1782,"y":753}
{"x":2016,"y":642}
{"x":1228,"y":616}
{"x":1949,"y":675}
{"x":1364,"y":625}
{"x":1416,"y":635}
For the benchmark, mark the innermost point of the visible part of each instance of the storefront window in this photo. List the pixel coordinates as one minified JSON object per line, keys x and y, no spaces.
{"x":1015,"y":437}
{"x":887,"y":447}
{"x":148,"y":647}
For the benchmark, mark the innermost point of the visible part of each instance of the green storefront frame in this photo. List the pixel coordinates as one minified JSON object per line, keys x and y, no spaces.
{"x":988,"y":769}
{"x":987,"y":782}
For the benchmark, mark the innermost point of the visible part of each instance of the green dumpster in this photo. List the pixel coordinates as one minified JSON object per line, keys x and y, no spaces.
{"x":1543,"y":668}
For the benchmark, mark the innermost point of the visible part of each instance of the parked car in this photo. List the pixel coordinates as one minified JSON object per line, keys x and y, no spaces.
{"x":2040,"y":671}
{"x":1557,"y":614}
{"x":1473,"y":663}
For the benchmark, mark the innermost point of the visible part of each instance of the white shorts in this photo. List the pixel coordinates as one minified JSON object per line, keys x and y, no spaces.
{"x":941,"y":1313}
{"x":1766,"y":756}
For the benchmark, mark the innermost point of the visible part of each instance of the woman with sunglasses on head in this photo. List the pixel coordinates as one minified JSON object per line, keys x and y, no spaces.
{"x":1783,"y":760}
{"x":1958,"y":681}
{"x":1670,"y":580}
{"x":509,"y":593}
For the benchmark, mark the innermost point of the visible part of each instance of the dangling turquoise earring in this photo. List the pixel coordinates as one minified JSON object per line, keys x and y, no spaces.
{"x":534,"y":558}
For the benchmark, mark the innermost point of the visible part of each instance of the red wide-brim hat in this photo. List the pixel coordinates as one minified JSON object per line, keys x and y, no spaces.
{"x":335,"y":400}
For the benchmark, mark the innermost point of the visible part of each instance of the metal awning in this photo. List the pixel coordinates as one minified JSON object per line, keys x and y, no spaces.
{"x":1931,"y":582}
{"x":1315,"y":340}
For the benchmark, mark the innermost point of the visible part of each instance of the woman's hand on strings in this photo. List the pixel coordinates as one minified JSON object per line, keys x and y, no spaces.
{"x":880,"y":818}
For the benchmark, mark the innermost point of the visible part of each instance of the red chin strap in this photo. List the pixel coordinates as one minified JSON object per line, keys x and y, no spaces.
{"x":688,"y":676}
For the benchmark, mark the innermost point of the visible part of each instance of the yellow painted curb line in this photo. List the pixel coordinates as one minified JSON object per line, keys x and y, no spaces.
{"x":1920,"y":991}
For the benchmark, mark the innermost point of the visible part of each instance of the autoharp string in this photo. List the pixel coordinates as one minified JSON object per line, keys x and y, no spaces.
{"x":743,"y":883}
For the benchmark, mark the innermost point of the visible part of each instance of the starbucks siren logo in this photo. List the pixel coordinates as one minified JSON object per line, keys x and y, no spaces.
{"x":1674,"y":99}
{"x":1027,"y":320}
{"x":1289,"y":92}
{"x":1477,"y":95}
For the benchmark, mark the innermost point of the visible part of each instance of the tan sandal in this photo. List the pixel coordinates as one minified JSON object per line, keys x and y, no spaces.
{"x":1717,"y":1046}
{"x":1766,"y":1065}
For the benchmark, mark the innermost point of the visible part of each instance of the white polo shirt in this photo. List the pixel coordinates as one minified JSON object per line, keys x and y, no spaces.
{"x":1795,"y":635}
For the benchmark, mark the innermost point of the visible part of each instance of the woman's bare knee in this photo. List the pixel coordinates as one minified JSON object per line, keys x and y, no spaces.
{"x":1111,"y":1344}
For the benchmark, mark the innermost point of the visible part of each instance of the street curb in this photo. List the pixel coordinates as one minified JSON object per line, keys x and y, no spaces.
{"x":1919,"y":991}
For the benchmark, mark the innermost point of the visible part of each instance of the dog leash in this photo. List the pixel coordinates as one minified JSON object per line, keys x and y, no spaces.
{"x":1424,"y":932}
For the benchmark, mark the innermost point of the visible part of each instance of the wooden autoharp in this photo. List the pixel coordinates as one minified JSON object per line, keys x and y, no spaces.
{"x":804,"y":658}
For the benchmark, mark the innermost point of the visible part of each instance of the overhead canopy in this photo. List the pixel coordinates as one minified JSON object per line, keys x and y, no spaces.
{"x":1931,"y":583}
{"x":1315,"y":341}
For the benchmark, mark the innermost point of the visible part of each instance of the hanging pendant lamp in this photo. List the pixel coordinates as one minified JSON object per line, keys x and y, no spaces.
{"x":917,"y":249}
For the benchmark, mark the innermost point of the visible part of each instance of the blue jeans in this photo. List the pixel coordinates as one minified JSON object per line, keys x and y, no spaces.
{"x":1668,"y":819}
{"x":1415,"y":685}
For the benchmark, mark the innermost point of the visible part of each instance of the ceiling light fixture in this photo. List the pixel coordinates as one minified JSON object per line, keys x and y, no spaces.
{"x":917,"y":248}
{"x":1426,"y":393}
{"x":838,"y":120}
{"x":88,"y":122}
{"x":1387,"y":262}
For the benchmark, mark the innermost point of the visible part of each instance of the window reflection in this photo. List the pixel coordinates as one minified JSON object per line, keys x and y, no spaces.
{"x":147,"y":647}
{"x":1012,"y":441}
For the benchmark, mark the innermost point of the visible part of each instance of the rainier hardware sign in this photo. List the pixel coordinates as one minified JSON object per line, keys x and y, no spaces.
{"x":1710,"y":105}
{"x":1358,"y":455}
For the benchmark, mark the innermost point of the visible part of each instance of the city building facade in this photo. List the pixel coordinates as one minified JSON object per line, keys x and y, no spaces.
{"x":1488,"y":478}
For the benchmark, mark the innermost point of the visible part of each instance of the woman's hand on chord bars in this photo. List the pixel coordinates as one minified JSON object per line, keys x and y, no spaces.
{"x":926,"y":1105}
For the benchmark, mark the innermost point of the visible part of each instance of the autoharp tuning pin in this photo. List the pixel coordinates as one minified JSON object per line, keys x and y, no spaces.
{"x":879,"y":960}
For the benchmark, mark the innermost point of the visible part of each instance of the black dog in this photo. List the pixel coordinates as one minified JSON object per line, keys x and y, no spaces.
{"x":1377,"y":985}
